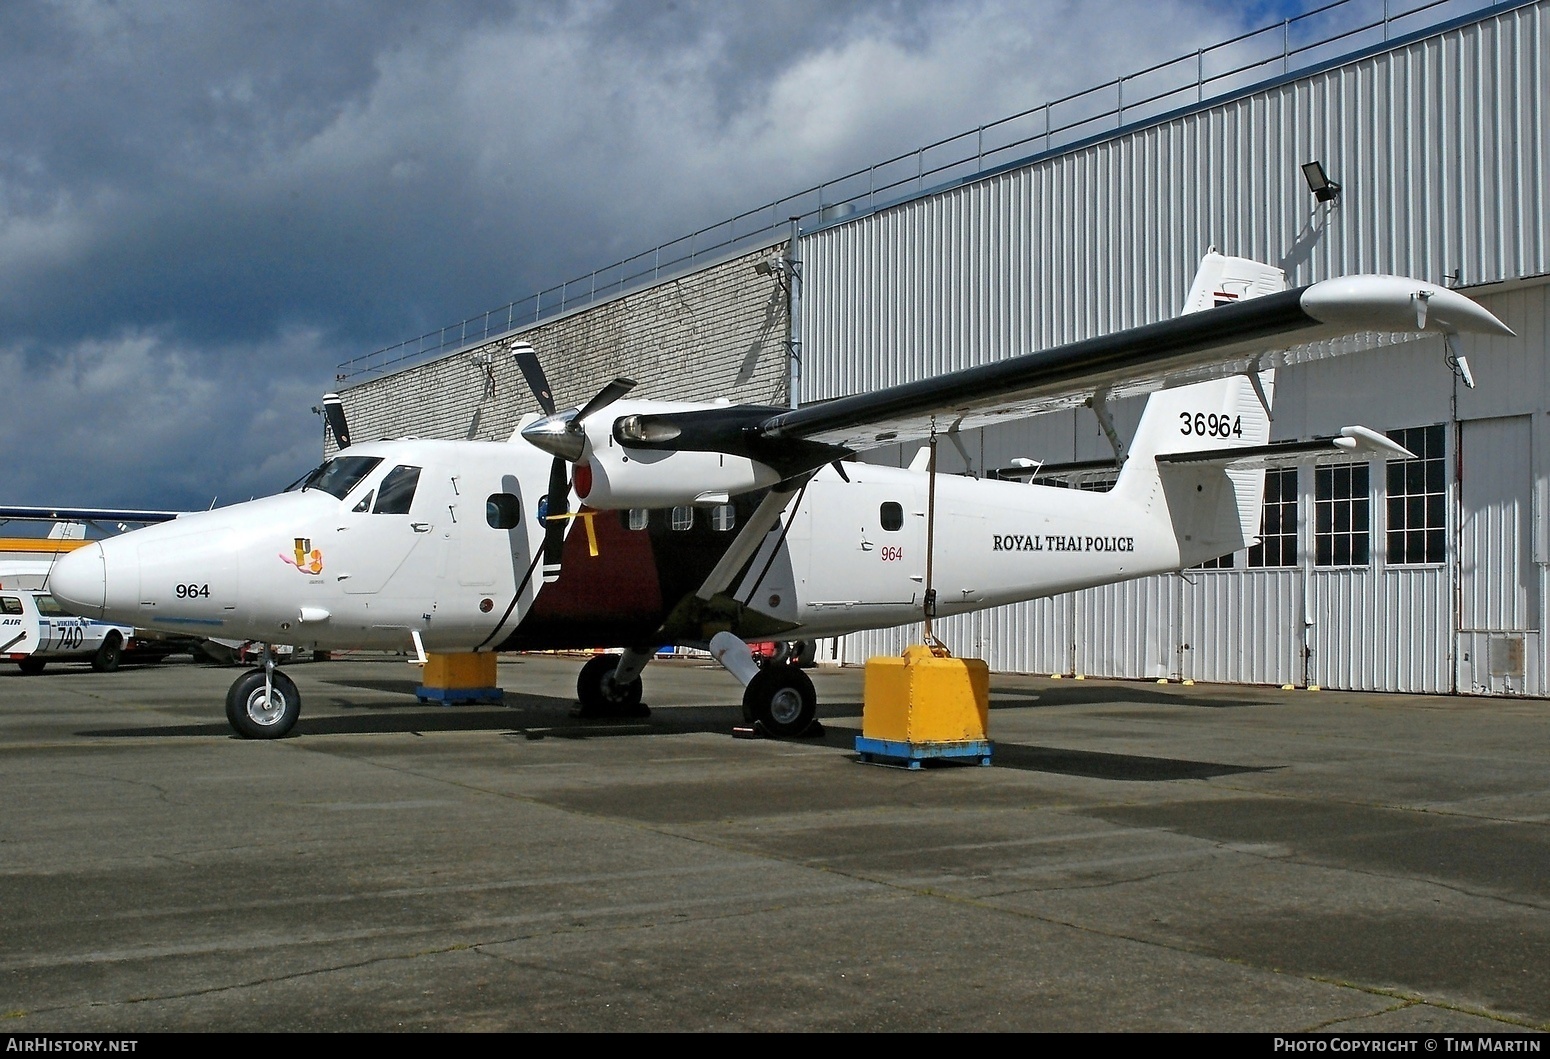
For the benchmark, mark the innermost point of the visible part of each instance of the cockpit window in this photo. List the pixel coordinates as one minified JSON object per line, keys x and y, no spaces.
{"x":397,"y":491}
{"x":338,"y":475}
{"x":10,"y":605}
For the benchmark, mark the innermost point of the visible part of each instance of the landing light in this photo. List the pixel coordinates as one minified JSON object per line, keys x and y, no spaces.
{"x":634,"y":428}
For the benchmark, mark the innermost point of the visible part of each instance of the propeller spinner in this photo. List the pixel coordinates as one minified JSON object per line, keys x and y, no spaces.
{"x":563,"y":435}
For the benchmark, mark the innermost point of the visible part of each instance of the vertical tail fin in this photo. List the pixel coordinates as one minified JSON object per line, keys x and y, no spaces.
{"x":1214,"y":510}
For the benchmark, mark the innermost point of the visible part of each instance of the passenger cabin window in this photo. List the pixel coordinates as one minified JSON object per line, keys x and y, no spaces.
{"x":723,"y":517}
{"x":638,"y":518}
{"x":891,"y":515}
{"x":682,"y":519}
{"x":339,"y":475}
{"x":397,"y":491}
{"x":10,"y":605}
{"x":503,"y":511}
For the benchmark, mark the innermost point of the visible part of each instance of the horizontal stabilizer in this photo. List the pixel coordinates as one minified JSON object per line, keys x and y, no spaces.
{"x":1352,"y":445}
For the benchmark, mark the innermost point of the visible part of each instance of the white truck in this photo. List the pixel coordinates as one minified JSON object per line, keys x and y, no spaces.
{"x":36,"y":630}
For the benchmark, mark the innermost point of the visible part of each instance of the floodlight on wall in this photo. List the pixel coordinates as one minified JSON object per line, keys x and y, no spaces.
{"x":775,"y":265}
{"x":1323,"y":188}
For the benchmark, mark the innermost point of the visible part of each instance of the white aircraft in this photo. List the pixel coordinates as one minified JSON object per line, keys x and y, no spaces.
{"x":718,"y":525}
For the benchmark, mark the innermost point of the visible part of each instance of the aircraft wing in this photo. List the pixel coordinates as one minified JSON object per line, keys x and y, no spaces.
{"x":1271,"y":331}
{"x":86,"y":514}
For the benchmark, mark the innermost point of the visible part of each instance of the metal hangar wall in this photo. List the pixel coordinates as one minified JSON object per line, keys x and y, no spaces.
{"x":1426,"y":577}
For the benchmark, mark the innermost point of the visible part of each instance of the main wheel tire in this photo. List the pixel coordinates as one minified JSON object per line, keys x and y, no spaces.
{"x":782,"y":700}
{"x":31,"y":666}
{"x":602,"y":696}
{"x":109,"y":655}
{"x":256,"y":716}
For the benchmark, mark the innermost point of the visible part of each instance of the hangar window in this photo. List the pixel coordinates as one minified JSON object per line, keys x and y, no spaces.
{"x":1342,"y":512}
{"x":1417,"y":498}
{"x":1221,"y":562}
{"x":891,"y":516}
{"x":637,"y":518}
{"x":397,"y":491}
{"x":682,"y":518}
{"x":723,"y":517}
{"x":1278,"y":523}
{"x":503,"y":511}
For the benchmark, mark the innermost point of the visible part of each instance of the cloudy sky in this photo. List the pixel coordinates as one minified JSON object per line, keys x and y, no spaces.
{"x":205,"y":207}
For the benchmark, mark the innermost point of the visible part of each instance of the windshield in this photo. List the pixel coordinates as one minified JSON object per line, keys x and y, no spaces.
{"x":338,"y":475}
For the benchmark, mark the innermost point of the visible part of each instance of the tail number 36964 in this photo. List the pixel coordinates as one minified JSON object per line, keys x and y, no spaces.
{"x":1210,"y":425}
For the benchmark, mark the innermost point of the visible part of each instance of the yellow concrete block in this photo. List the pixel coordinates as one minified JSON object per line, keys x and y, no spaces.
{"x":923,"y":698}
{"x":459,"y":670}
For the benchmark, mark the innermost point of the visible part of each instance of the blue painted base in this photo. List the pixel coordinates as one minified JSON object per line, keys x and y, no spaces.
{"x":448,"y":696}
{"x":910,"y":755}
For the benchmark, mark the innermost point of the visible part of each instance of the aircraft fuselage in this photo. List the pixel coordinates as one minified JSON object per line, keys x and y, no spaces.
{"x":442,"y":539}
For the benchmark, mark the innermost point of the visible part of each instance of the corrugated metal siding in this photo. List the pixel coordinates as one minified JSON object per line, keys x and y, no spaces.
{"x":1124,"y":630}
{"x":1370,"y":630}
{"x":1440,"y":149}
{"x":1496,"y":579}
{"x":1243,"y":626}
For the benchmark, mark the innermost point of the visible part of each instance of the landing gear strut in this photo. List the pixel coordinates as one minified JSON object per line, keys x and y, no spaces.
{"x":263,"y":703}
{"x":609,"y":686}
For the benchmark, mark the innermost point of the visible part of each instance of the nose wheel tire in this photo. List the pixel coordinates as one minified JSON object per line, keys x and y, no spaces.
{"x":782,"y":700}
{"x":256,"y":715}
{"x":603,"y":696}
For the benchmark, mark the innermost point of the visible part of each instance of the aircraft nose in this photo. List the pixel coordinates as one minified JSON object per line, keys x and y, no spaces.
{"x":79,"y":581}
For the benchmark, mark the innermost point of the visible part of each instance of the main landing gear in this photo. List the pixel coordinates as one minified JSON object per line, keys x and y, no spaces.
{"x":777,"y":696}
{"x":609,"y":686}
{"x":263,"y":703}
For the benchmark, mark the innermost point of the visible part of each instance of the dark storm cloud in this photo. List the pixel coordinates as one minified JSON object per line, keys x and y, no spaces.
{"x":205,"y":207}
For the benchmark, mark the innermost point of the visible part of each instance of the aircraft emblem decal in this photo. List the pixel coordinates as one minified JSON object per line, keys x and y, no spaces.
{"x":308,"y":560}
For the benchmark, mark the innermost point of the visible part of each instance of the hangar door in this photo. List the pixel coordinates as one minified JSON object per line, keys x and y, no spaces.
{"x":1498,"y":604}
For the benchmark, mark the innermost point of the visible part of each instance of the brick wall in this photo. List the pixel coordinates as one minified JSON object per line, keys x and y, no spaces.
{"x":718,"y":332}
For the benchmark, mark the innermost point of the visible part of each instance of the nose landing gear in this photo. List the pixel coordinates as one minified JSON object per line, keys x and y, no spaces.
{"x":263,"y":703}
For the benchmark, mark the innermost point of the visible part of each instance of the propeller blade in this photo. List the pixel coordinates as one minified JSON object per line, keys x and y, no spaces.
{"x":333,"y":415}
{"x":605,"y":397}
{"x":527,"y":362}
{"x":554,"y":521}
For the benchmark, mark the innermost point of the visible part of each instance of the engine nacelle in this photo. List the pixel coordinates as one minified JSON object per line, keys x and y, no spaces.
{"x":613,"y":477}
